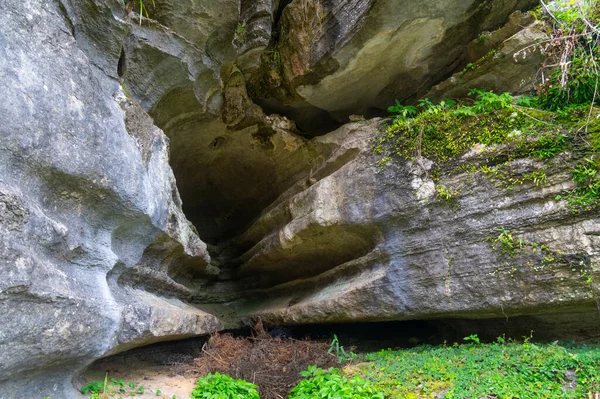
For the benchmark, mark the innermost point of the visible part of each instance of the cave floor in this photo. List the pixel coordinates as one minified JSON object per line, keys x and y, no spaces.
{"x":163,"y":381}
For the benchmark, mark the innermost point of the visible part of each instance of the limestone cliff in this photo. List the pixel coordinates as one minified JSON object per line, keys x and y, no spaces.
{"x":166,"y":176}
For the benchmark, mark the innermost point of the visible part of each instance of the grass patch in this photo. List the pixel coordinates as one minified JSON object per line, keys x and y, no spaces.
{"x":503,"y":370}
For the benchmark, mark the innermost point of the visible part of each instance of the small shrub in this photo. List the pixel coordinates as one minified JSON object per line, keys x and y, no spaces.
{"x":403,"y":112}
{"x":487,"y":101}
{"x":339,"y":351}
{"x":93,"y":387}
{"x":332,"y":384}
{"x":222,"y":386}
{"x":571,"y":73}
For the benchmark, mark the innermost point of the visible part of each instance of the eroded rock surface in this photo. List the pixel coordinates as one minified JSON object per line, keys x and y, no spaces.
{"x":350,"y":57}
{"x":402,"y":251}
{"x":85,"y":191}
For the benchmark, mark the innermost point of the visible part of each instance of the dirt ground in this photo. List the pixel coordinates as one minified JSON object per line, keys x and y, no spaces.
{"x":272,"y":363}
{"x":153,"y":377}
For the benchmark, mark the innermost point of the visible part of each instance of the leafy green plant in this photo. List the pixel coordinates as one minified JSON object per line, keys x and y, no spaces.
{"x":503,"y":369}
{"x":446,"y":130}
{"x":445,"y":193}
{"x":587,"y":193}
{"x":332,"y":384}
{"x":111,"y":388}
{"x":487,"y":101}
{"x":464,"y":112}
{"x":430,"y":108}
{"x":538,"y":177}
{"x":93,"y":387}
{"x":339,"y":351}
{"x":222,"y":386}
{"x":548,"y":146}
{"x":472,"y":338}
{"x":570,"y":75}
{"x":403,"y":112}
{"x":240,"y":31}
{"x":469,"y":67}
{"x":507,"y":243}
{"x":527,"y":101}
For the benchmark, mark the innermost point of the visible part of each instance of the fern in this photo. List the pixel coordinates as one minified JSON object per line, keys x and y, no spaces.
{"x":404,"y":112}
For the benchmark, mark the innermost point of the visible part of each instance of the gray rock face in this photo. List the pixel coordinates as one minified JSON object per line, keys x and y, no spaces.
{"x":85,"y":191}
{"x":506,"y":60}
{"x":395,"y":249}
{"x":351,"y":56}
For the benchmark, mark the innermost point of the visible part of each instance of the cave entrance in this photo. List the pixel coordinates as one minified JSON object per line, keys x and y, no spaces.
{"x":227,"y":177}
{"x":172,"y":368}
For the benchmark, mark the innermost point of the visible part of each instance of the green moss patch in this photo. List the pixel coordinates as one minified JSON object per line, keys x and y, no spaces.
{"x":487,"y":136}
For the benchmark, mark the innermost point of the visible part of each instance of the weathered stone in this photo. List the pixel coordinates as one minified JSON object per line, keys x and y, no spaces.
{"x":365,"y":54}
{"x":397,"y":250}
{"x":81,"y":200}
{"x":254,"y":31}
{"x":204,"y":24}
{"x":96,"y":253}
{"x":508,"y":64}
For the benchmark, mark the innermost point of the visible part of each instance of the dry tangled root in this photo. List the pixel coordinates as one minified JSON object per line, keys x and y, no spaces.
{"x":271,"y":363}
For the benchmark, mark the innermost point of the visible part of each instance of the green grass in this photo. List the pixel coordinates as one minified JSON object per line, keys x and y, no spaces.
{"x":502,"y":370}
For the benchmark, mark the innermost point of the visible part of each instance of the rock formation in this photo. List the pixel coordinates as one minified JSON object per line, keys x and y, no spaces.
{"x":169,"y":175}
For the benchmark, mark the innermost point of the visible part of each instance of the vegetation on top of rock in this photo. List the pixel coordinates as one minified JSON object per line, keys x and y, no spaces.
{"x":561,"y":117}
{"x":445,"y":131}
{"x":587,"y":176}
{"x":570,"y":74}
{"x":502,"y":128}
